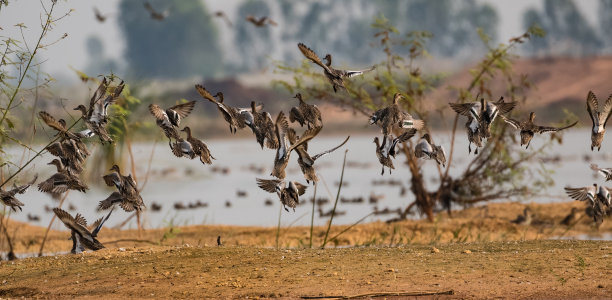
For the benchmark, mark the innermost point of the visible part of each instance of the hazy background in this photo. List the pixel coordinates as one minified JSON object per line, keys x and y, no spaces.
{"x":339,"y":27}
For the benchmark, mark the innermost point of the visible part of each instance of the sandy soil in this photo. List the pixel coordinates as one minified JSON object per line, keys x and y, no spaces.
{"x":477,"y":253}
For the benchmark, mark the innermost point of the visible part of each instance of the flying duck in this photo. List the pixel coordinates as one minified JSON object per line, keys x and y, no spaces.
{"x":263,"y":128}
{"x":96,"y":116}
{"x":528,"y":128}
{"x":426,"y":149}
{"x":599,"y":118}
{"x":155,"y":15}
{"x":607,"y":172}
{"x":305,"y":161}
{"x":305,"y":113}
{"x":263,"y":21}
{"x":387,"y":150}
{"x":198,"y":147}
{"x":61,"y":181}
{"x":335,"y":76}
{"x":233,"y":116}
{"x":131,"y":199}
{"x":281,"y":159}
{"x":288,"y":191}
{"x":82,"y":238}
{"x":392,"y":116}
{"x":170,"y":119}
{"x":484,"y":112}
{"x":8,"y":197}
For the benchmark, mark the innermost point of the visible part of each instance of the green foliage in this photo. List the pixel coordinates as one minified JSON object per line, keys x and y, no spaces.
{"x":184,"y":44}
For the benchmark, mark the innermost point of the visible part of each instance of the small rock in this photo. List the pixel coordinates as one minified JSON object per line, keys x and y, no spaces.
{"x":600,"y":286}
{"x":435,"y":250}
{"x":467,"y":251}
{"x":121,"y":249}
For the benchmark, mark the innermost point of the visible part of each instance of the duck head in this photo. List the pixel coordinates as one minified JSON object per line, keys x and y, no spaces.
{"x":219,"y":95}
{"x":532,"y":116}
{"x":82,"y":109}
{"x":397,"y":97}
{"x":328,"y":59}
{"x":115,"y":168}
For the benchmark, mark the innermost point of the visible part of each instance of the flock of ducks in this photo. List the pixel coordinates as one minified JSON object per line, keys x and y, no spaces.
{"x":275,"y":134}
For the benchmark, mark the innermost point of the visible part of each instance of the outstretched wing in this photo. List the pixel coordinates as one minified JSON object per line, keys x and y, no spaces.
{"x":467,"y":109}
{"x":51,"y":121}
{"x":97,"y":96}
{"x":516,"y":124}
{"x":183,"y":109}
{"x":592,"y":108}
{"x":307,"y":136}
{"x":581,"y":194}
{"x":605,"y":112}
{"x":301,"y":189}
{"x":268,"y":185}
{"x":542,"y":129}
{"x":70,"y":222}
{"x":315,"y":157}
{"x":281,"y":127}
{"x":504,"y":107}
{"x":348,"y":73}
{"x":97,"y":225}
{"x":312,"y":56}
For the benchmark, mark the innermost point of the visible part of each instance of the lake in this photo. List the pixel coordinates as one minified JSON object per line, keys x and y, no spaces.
{"x":233,"y":198}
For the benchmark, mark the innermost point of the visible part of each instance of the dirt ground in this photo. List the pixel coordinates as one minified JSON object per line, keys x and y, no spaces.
{"x":476,"y":253}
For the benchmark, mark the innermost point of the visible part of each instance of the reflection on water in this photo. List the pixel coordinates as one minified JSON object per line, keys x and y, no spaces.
{"x":226,"y":192}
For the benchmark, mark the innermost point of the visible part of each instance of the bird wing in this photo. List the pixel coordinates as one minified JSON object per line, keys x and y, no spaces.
{"x":466,"y":109}
{"x":51,"y":121}
{"x":307,"y":136}
{"x":592,"y":108}
{"x":268,"y":185}
{"x":113,"y":179}
{"x":406,"y":135}
{"x":312,"y":56}
{"x":542,"y":129}
{"x":22,"y":188}
{"x":605,"y":112}
{"x":315,"y":157}
{"x":581,"y":194}
{"x":301,"y":189}
{"x":183,"y":109}
{"x":95,"y":98}
{"x":516,"y":124}
{"x":70,"y":222}
{"x":157,"y":112}
{"x":296,"y":115}
{"x":204,"y":93}
{"x":97,"y":225}
{"x":281,"y":127}
{"x":504,"y":107}
{"x":348,"y":73}
{"x":112,"y":98}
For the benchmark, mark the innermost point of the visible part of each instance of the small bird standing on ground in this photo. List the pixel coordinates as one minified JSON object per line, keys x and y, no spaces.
{"x":525,"y":218}
{"x":335,"y":76}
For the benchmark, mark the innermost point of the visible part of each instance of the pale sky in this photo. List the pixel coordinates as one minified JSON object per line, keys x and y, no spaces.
{"x":81,"y":24}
